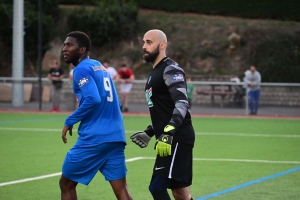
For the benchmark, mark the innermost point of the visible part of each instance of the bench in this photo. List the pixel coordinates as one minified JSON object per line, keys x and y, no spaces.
{"x":212,"y":93}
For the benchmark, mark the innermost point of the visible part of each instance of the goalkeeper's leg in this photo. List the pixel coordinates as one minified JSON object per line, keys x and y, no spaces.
{"x":158,"y":188}
{"x":182,"y":193}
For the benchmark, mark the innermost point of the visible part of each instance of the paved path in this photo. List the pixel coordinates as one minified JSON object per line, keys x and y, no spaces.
{"x":196,"y":109}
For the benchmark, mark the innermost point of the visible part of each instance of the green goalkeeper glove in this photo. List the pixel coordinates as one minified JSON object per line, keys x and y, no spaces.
{"x":164,"y":142}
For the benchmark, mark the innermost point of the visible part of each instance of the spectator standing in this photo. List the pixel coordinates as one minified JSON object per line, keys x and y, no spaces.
{"x":190,"y":89}
{"x":56,"y":74}
{"x":252,"y":80}
{"x":125,"y":77}
{"x":111,"y":70}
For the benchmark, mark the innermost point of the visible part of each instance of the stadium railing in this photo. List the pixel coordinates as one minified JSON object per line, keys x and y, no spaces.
{"x":206,"y":93}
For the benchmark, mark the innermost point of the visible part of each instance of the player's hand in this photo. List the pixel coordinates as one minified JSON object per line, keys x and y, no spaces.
{"x":64,"y":133}
{"x":163,"y":144}
{"x":141,"y":139}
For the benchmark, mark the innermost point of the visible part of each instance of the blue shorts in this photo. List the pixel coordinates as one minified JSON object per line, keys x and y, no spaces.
{"x":82,"y":163}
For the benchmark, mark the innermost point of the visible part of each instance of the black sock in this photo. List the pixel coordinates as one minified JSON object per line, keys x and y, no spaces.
{"x":161,"y":195}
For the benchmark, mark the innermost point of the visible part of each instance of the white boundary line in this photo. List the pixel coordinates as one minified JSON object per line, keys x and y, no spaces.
{"x":30,"y":129}
{"x":152,"y":158}
{"x":30,"y":179}
{"x":133,"y":131}
{"x":51,"y":175}
{"x":245,"y":160}
{"x":237,"y":160}
{"x":247,"y":135}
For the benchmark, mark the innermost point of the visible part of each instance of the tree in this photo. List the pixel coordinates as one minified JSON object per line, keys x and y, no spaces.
{"x":50,"y":13}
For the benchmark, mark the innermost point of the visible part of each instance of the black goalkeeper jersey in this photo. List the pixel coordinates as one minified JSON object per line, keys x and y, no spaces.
{"x":167,"y":100}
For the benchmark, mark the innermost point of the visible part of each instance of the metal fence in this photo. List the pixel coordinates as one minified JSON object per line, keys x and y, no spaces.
{"x":207,"y":94}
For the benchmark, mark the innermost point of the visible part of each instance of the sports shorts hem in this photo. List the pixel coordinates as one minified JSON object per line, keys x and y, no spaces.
{"x":178,"y":167}
{"x":82,"y":163}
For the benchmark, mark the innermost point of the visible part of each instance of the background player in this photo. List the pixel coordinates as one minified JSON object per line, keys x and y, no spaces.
{"x":97,"y":148}
{"x":171,"y":122}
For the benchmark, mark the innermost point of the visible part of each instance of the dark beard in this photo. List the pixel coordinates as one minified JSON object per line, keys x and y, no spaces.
{"x":74,"y":59}
{"x":151,"y":57}
{"x":68,"y":61}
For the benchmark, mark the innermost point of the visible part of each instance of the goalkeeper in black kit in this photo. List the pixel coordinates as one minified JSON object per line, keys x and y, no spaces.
{"x":171,"y":122}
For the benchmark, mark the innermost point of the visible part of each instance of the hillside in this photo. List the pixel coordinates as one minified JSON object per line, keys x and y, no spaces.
{"x":200,"y":42}
{"x":201,"y":46}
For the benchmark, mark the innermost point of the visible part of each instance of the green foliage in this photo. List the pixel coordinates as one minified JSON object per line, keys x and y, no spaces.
{"x":271,"y":9}
{"x":79,"y":2}
{"x":6,"y":11}
{"x":208,"y":52}
{"x":108,"y":23}
{"x":278,"y":58}
{"x":50,"y":13}
{"x":133,"y":54}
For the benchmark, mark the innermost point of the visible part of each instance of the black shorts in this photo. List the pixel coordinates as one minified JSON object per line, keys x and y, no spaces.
{"x":178,"y":167}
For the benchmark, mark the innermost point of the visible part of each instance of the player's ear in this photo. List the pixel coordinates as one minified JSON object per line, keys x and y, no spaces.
{"x":162,"y":45}
{"x":82,"y":50}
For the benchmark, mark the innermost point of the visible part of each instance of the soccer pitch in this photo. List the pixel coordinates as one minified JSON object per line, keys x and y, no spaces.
{"x":234,"y":159}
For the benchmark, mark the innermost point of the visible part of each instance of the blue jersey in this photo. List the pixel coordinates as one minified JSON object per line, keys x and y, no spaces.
{"x":99,"y":107}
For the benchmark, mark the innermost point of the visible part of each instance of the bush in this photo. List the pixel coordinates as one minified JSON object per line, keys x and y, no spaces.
{"x":50,"y":13}
{"x":271,"y":9}
{"x":108,"y":23}
{"x":278,"y":58}
{"x":79,"y":2}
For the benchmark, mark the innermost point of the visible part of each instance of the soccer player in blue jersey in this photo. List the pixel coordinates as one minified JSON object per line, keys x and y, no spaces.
{"x":101,"y":136}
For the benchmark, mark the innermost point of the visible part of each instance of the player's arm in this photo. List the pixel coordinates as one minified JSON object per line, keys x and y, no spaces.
{"x":90,"y":95}
{"x":64,"y":133}
{"x":174,"y":78}
{"x":258,"y":80}
{"x":131,"y":77}
{"x":49,"y":76}
{"x":142,"y":138}
{"x":246,"y":80}
{"x":61,"y":77}
{"x":119,"y":77}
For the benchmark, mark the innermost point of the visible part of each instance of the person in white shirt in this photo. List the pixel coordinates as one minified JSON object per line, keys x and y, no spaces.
{"x":111,"y":70}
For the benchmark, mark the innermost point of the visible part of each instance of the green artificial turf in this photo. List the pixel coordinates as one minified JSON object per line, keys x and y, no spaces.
{"x":230,"y":152}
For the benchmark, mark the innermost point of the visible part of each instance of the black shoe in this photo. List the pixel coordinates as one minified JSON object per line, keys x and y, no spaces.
{"x":125,"y":109}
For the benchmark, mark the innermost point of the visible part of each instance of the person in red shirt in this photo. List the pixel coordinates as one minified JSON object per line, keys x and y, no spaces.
{"x":125,"y":77}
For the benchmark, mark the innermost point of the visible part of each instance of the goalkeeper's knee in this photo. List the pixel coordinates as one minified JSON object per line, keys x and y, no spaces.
{"x":158,"y":188}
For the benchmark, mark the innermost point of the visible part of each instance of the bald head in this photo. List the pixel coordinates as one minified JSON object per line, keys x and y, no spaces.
{"x":157,"y":35}
{"x":155,"y":44}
